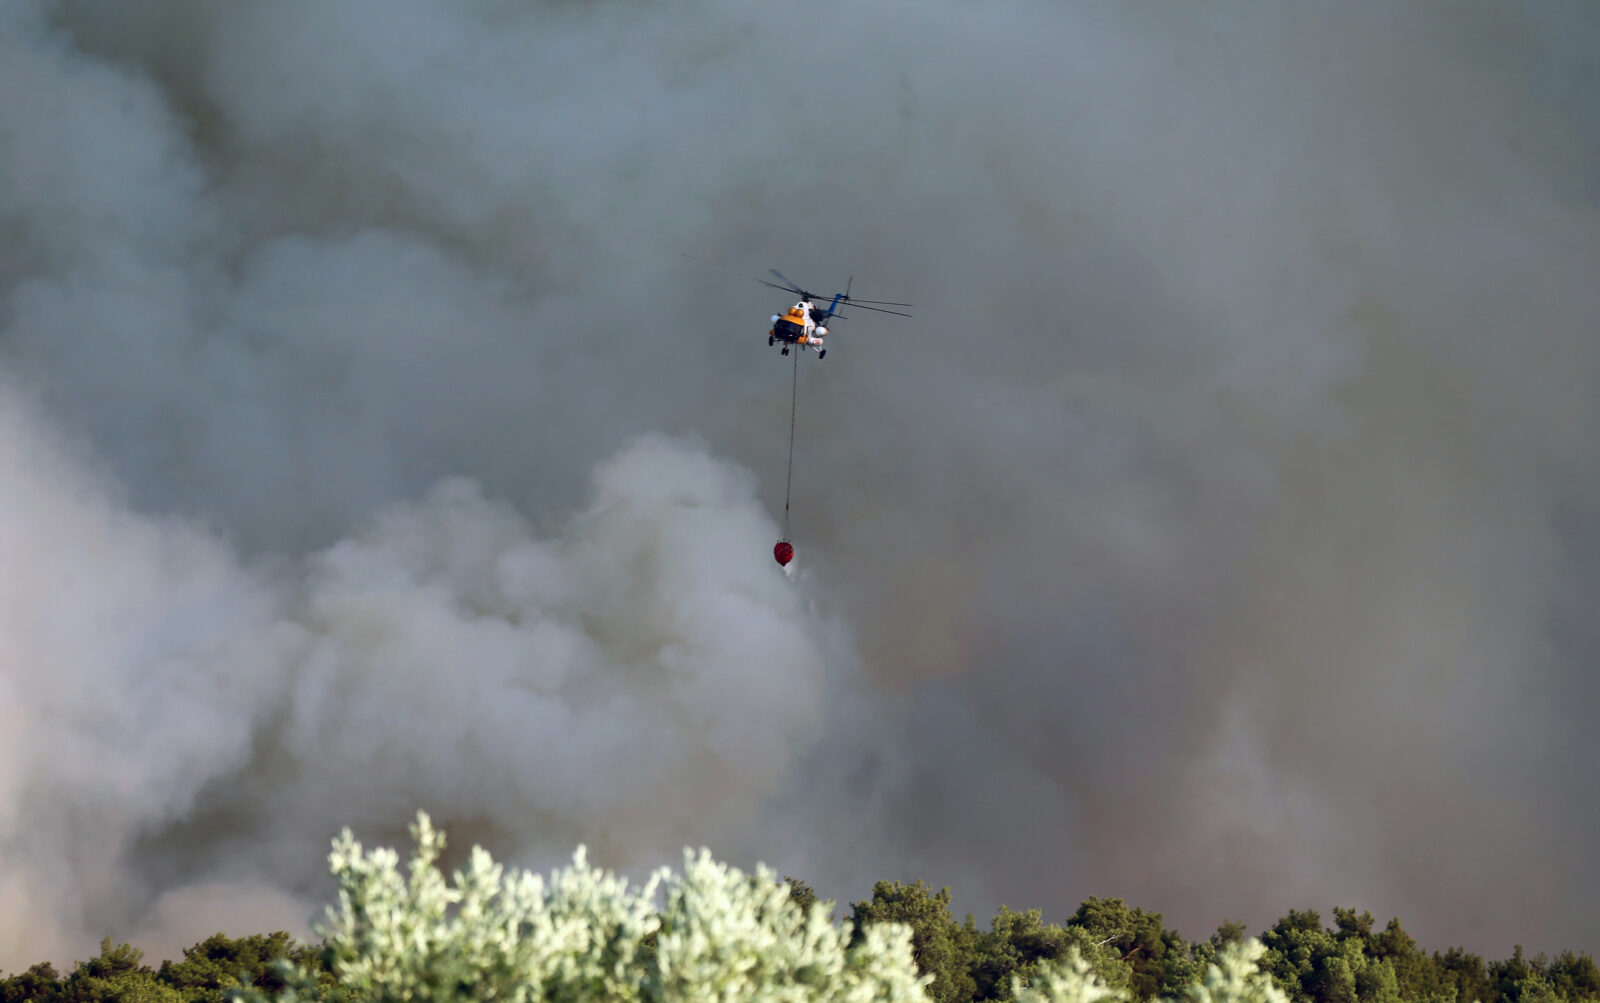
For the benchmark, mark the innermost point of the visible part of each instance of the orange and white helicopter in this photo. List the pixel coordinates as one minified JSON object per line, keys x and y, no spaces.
{"x":804,"y":324}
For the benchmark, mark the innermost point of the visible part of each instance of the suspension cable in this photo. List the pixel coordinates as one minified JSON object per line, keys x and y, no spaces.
{"x":794,"y":399}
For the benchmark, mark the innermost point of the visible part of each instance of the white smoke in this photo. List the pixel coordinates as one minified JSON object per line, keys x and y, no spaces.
{"x":445,"y":655}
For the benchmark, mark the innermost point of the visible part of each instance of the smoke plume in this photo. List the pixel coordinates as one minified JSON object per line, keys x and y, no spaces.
{"x":1221,"y":535}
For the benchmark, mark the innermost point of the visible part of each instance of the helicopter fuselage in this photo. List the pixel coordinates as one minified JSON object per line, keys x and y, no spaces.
{"x":791,"y":328}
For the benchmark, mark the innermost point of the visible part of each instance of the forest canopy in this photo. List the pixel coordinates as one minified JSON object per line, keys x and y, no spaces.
{"x":714,"y":932}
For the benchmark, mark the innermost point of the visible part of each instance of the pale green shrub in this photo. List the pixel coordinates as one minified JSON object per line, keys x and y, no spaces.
{"x":1068,"y":980}
{"x":585,"y":935}
{"x":1235,"y":978}
{"x":716,"y":935}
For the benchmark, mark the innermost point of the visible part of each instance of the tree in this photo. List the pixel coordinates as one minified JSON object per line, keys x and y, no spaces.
{"x":41,"y":982}
{"x":116,"y":973}
{"x":1234,"y":978}
{"x":400,"y":934}
{"x":218,"y":963}
{"x":804,"y":896}
{"x":1070,"y":980}
{"x":1314,"y":965}
{"x":1014,"y":946}
{"x":1463,"y":977}
{"x":1574,"y":976}
{"x":938,"y":945}
{"x":1512,"y":975}
{"x":1237,"y":977}
{"x":1351,"y":925}
{"x":1159,"y":959}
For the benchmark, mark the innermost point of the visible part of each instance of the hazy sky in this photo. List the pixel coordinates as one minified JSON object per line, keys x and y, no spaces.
{"x":1223,"y":534}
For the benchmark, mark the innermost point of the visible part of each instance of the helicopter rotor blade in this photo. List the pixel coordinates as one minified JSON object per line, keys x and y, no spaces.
{"x":879,"y":309}
{"x":742,"y":275}
{"x":793,"y":285}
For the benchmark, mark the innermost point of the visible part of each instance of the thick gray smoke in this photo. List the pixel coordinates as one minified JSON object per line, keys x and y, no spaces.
{"x":1222,"y":535}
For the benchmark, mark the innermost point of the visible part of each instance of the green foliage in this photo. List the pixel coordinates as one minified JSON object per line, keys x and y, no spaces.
{"x":1462,"y":978}
{"x":1158,"y":959}
{"x":1568,"y":979}
{"x":937,"y":943}
{"x":215,"y":965}
{"x":715,"y":934}
{"x":489,"y":934}
{"x":115,"y":974}
{"x":1574,"y":976}
{"x":1018,"y":943}
{"x":41,"y":982}
{"x":1353,"y":963}
{"x":1069,"y":980}
{"x":1234,"y":978}
{"x":1314,"y":965}
{"x":804,"y":896}
{"x":1013,"y":947}
{"x":205,"y":975}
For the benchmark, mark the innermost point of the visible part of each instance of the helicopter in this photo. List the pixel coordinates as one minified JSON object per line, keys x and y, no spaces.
{"x":804,"y":324}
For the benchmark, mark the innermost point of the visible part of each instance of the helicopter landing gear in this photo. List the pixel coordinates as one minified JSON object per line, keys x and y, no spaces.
{"x":822,"y":354}
{"x":785,"y":349}
{"x":769,"y":340}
